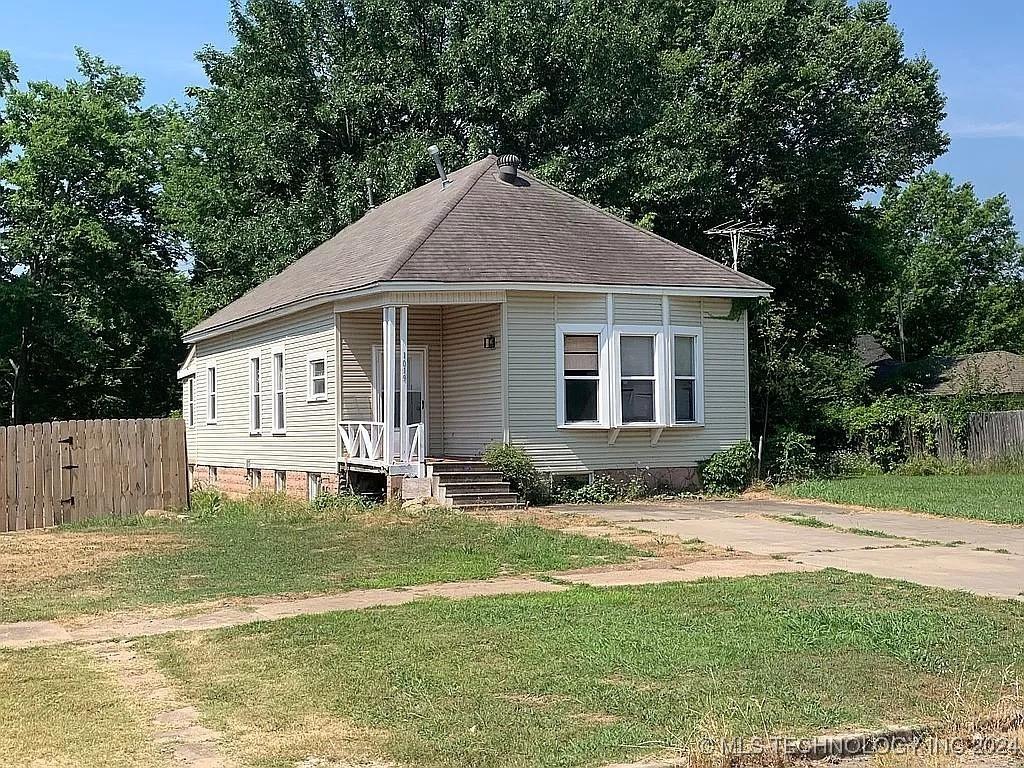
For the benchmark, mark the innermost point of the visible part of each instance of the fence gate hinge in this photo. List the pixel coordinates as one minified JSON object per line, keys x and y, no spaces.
{"x":69,"y":440}
{"x":70,"y":500}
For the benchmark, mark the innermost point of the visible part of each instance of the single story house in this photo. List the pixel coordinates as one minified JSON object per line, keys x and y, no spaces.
{"x":493,"y":307}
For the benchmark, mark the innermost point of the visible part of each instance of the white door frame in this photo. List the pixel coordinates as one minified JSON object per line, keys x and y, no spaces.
{"x":376,"y":383}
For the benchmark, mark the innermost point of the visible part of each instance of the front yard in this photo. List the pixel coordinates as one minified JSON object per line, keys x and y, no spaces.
{"x":574,"y":678}
{"x":997,"y":498}
{"x":270,"y":546}
{"x":586,"y":676}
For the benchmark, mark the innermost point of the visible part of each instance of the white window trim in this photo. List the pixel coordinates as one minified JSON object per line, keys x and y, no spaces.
{"x":312,"y":357}
{"x":591,"y":329}
{"x":314,"y":485}
{"x":609,"y":408}
{"x":280,"y":481}
{"x":275,"y":391}
{"x":190,"y":395}
{"x":657,"y":333}
{"x":697,"y":333}
{"x":255,"y":393}
{"x":212,"y":395}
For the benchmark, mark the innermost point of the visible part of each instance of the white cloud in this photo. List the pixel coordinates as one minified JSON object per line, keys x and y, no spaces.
{"x":1010,"y":129}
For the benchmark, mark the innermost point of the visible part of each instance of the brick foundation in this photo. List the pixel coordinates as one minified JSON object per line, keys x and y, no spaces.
{"x":235,"y":481}
{"x":658,"y":478}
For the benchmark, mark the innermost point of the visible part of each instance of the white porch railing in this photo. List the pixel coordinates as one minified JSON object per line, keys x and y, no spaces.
{"x":362,"y":442}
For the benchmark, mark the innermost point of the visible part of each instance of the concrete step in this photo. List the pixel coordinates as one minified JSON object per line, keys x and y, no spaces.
{"x":493,"y":486}
{"x":453,"y":465}
{"x":481,"y":499}
{"x":502,"y":505}
{"x":448,"y":478}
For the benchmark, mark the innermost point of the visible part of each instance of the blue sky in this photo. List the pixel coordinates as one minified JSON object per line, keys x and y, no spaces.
{"x":976,"y":45}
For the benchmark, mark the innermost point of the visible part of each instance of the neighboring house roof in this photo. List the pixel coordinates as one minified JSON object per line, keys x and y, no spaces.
{"x":481,"y":229}
{"x":994,"y":373}
{"x":870,"y":351}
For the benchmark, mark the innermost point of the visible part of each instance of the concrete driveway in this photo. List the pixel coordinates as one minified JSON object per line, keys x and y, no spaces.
{"x":979,"y":557}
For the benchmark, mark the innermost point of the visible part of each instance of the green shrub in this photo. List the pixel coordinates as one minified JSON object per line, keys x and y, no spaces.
{"x":205,"y":503}
{"x":516,"y":466}
{"x":932,"y":465}
{"x":849,"y":464}
{"x":602,"y":489}
{"x":327,"y":503}
{"x":792,"y":456}
{"x":728,"y":472}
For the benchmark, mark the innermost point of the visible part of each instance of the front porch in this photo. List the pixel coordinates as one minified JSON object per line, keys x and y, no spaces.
{"x":444,"y":365}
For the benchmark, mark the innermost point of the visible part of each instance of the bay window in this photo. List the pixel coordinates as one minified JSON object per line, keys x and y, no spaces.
{"x":645,"y":376}
{"x":687,"y":385}
{"x":638,"y":384}
{"x":580,"y":362}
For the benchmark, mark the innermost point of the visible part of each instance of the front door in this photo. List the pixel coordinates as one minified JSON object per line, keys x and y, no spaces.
{"x":415,"y":393}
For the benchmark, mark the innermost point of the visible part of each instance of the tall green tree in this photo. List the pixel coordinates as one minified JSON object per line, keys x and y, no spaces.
{"x":678,"y":114}
{"x":956,"y":270}
{"x":87,"y":279}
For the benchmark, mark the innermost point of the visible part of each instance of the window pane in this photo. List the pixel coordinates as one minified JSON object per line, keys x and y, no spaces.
{"x":581,"y":358}
{"x":685,"y":409}
{"x":580,"y":400}
{"x":637,"y":355}
{"x":637,"y":401}
{"x":414,"y":401}
{"x":319,"y":386}
{"x":318,"y":368}
{"x":684,"y":356}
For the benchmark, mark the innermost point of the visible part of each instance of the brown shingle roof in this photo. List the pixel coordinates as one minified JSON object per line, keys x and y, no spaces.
{"x":994,"y":373}
{"x":481,"y":229}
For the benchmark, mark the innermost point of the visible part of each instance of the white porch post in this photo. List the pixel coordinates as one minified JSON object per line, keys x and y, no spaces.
{"x":389,"y":386}
{"x":403,"y":405}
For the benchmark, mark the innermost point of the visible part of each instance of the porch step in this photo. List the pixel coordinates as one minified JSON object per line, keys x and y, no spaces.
{"x":475,"y":485}
{"x":469,"y":484}
{"x":454,"y":478}
{"x":457,"y":465}
{"x":486,"y":499}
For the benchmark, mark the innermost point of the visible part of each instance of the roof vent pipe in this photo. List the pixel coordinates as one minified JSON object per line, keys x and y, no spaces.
{"x":508,"y":168}
{"x":436,"y":154}
{"x":369,"y":193}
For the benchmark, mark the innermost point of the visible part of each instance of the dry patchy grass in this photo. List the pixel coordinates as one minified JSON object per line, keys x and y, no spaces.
{"x":60,"y":709}
{"x":33,"y":556}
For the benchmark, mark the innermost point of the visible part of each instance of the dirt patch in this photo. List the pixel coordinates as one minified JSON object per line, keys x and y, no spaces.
{"x":174,"y":723}
{"x":29,"y":557}
{"x":666,"y":548}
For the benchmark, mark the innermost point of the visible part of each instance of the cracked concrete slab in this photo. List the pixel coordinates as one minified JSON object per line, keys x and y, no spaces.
{"x":704,"y":569}
{"x":977,"y":533}
{"x":761,"y":536}
{"x":984,"y":573}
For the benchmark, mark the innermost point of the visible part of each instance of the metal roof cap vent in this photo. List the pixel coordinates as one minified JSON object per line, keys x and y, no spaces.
{"x":508,"y":168}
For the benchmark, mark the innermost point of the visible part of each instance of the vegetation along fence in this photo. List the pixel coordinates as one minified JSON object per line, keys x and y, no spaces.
{"x":990,"y":436}
{"x":65,"y":471}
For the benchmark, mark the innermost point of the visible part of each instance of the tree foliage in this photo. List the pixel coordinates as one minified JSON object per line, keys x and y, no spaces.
{"x":680,"y":115}
{"x":956,"y":269}
{"x":87,"y":285}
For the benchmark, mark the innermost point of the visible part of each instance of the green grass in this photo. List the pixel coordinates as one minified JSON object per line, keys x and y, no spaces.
{"x":247,"y":550}
{"x":60,"y":708}
{"x":998,"y":498}
{"x":587,"y":676}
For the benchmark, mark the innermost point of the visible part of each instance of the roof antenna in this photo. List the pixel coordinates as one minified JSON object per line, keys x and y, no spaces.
{"x":436,"y":154}
{"x":369,"y":193}
{"x":735,"y":229}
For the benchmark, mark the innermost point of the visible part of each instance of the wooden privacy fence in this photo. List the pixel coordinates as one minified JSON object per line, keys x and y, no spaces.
{"x":65,"y":471}
{"x":990,"y":436}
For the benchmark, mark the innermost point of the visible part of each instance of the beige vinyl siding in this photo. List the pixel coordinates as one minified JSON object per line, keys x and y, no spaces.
{"x":532,"y":319}
{"x":359,"y":332}
{"x":471,"y":379}
{"x":310,"y":442}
